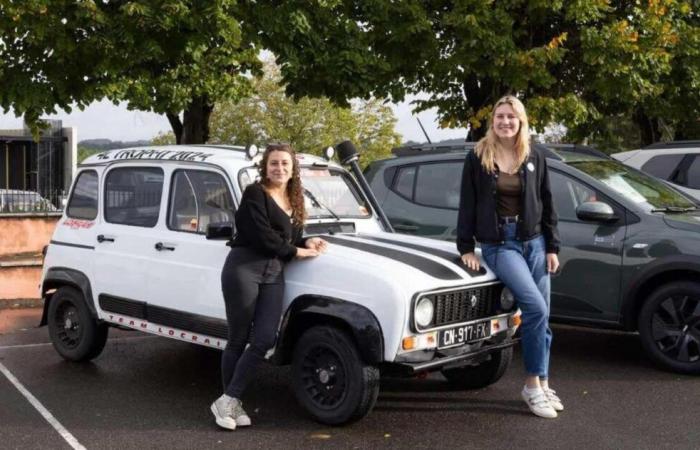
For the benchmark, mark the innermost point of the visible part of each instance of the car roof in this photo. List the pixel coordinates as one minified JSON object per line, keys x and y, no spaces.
{"x":212,"y":154}
{"x":673,"y":144}
{"x":565,"y":153}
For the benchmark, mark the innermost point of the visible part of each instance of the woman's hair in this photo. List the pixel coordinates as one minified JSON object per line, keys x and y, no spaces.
{"x":486,"y":147}
{"x":295,"y":192}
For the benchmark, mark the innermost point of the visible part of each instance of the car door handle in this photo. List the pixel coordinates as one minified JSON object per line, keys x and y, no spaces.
{"x":405,"y":227}
{"x":102,"y":238}
{"x":160,"y":247}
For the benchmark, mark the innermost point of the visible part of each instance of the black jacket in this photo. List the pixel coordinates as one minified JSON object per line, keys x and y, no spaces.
{"x":477,"y":208}
{"x":262,"y":226}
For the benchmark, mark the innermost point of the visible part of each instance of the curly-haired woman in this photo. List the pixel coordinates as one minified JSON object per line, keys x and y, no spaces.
{"x":269,"y":225}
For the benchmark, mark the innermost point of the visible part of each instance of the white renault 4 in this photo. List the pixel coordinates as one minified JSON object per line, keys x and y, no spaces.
{"x":143,"y":239}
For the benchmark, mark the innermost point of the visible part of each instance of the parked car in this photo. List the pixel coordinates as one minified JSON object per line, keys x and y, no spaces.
{"x":18,"y":201}
{"x":677,"y":162}
{"x":630,"y":255}
{"x":143,"y":239}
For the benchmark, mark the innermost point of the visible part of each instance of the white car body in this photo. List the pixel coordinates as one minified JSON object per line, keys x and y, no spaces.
{"x":175,"y":290}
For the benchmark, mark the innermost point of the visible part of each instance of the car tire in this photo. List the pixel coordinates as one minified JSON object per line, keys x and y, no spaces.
{"x":669,"y":327}
{"x":485,"y":374}
{"x":329,"y":378}
{"x":75,"y":333}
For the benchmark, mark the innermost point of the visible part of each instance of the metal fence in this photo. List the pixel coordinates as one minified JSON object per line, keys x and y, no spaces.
{"x":14,"y":201}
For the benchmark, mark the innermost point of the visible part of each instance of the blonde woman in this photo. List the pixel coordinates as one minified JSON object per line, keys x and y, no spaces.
{"x":506,"y":205}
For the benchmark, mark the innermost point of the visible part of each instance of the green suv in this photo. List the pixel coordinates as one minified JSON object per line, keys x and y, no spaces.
{"x":630,"y":256}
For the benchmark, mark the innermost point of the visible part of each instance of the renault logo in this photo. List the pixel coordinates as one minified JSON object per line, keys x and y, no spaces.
{"x":473,"y":300}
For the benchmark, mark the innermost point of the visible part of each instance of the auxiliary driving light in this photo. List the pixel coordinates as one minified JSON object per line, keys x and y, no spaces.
{"x":251,"y":151}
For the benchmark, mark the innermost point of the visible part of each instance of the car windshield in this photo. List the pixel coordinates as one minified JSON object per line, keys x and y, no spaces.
{"x":331,"y":193}
{"x":636,"y":186}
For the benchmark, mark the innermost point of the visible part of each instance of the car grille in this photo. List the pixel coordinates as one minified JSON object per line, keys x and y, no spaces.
{"x":452,"y":307}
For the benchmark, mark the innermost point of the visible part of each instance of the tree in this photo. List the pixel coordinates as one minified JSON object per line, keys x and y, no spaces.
{"x":166,"y":56}
{"x":576,"y":62}
{"x":309,"y":124}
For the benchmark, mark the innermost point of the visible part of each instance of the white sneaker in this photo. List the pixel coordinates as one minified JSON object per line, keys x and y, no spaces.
{"x":239,"y":415}
{"x":554,"y":400}
{"x":537,"y":401}
{"x":223,"y":412}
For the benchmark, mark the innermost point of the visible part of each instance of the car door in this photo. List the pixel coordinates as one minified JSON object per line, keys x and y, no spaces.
{"x":125,"y":236}
{"x":185,"y":273}
{"x":424,"y":199}
{"x":588,"y":283}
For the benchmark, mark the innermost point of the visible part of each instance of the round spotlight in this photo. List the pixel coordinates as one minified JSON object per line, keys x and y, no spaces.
{"x":424,"y":312}
{"x":507,"y":299}
{"x":328,"y":153}
{"x":251,"y":151}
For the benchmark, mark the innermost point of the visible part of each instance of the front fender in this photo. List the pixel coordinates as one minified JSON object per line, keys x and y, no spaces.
{"x":310,"y":310}
{"x":57,"y":277}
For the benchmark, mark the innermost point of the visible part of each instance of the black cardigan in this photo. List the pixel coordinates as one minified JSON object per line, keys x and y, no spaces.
{"x":263,"y":226}
{"x":477,"y":208}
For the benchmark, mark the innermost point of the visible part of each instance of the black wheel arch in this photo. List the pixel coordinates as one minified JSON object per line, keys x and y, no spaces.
{"x":310,"y":310}
{"x":57,"y":277}
{"x":653,"y":275}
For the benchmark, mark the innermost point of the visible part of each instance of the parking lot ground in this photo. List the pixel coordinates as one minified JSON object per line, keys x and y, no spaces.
{"x":149,"y":392}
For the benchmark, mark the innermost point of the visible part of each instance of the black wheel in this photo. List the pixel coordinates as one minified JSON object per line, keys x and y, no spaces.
{"x":669,"y":327}
{"x":485,"y":374}
{"x":329,"y":378}
{"x":75,"y":334}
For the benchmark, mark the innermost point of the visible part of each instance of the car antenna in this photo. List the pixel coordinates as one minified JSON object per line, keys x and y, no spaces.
{"x":424,"y":132}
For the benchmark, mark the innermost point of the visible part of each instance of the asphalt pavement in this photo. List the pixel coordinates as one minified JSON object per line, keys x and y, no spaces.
{"x":151,"y":392}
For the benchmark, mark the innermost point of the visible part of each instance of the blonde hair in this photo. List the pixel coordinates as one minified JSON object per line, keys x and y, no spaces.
{"x":487,"y":146}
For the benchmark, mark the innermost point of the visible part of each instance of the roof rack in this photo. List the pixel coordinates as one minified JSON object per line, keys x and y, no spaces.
{"x":674,"y":144}
{"x":412,"y":150}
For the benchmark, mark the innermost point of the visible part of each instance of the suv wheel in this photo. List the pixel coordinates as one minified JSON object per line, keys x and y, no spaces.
{"x":669,"y":326}
{"x":75,"y":334}
{"x":329,"y":378}
{"x":485,"y":374}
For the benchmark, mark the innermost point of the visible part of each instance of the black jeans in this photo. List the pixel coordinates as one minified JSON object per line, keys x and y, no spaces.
{"x":253,"y":287}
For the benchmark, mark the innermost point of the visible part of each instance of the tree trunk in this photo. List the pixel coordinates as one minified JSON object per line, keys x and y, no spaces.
{"x":480,"y":94}
{"x":648,"y":127}
{"x":194,"y":128}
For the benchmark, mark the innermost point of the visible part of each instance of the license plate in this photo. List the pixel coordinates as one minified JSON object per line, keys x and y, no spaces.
{"x":463,"y":334}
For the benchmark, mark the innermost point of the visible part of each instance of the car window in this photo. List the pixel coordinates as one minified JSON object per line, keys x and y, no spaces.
{"x":133,"y":195}
{"x":662,"y":166}
{"x":83,"y":200}
{"x":637,"y":187}
{"x":694,"y":174}
{"x":438,"y":185}
{"x":198,"y":198}
{"x":568,"y":194}
{"x":403,"y":183}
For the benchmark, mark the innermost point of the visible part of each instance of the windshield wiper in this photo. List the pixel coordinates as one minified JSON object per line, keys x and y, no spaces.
{"x":318,"y":204}
{"x":674,"y":209}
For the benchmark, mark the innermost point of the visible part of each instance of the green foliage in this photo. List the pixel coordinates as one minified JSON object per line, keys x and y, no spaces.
{"x":164,"y":139}
{"x":309,"y":124}
{"x":165,"y":56}
{"x":579,"y":62}
{"x":84,"y":152}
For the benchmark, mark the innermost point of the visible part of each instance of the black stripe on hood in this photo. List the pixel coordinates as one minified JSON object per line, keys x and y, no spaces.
{"x":427,"y":265}
{"x":450,"y":257}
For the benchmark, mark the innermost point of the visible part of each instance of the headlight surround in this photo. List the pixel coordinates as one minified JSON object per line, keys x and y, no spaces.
{"x":507,"y":299}
{"x":424,"y":312}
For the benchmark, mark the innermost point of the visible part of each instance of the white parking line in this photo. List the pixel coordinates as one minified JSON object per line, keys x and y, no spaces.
{"x":65,"y":434}
{"x":43,"y":344}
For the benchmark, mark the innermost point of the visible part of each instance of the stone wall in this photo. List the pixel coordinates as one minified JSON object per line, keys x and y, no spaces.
{"x":22,"y":238}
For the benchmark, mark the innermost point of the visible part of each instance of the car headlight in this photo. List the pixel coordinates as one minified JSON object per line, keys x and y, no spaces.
{"x":424,"y":312}
{"x":507,"y":299}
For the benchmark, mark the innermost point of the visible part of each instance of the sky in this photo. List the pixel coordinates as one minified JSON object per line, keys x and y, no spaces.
{"x":115,"y":122}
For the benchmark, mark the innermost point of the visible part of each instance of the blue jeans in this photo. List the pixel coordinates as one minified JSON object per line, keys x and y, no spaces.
{"x":522,"y":267}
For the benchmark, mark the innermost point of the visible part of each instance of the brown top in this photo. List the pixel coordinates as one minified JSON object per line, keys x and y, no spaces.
{"x":508,"y":188}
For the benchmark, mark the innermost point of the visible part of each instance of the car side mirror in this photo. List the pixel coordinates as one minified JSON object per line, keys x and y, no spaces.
{"x":220,"y":230}
{"x":596,"y":212}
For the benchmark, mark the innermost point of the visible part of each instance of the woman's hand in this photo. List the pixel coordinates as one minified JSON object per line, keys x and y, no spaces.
{"x":316,"y":243}
{"x":303,"y":253}
{"x":471,"y":260}
{"x":552,"y":262}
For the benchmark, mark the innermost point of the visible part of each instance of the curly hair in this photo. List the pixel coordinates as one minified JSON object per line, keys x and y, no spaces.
{"x":295,"y":191}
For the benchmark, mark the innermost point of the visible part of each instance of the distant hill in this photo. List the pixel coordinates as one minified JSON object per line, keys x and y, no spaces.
{"x":107,"y":144}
